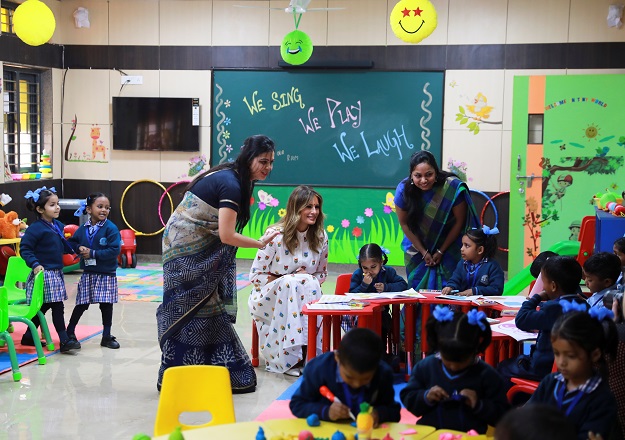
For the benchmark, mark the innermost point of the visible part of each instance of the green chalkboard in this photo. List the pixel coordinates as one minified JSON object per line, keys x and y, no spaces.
{"x":330,"y":128}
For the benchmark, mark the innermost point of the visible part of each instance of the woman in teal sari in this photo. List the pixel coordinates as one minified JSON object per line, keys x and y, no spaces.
{"x":434,"y":209}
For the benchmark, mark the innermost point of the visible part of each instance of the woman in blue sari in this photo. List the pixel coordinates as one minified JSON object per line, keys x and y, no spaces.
{"x":195,"y":320}
{"x":434,"y":209}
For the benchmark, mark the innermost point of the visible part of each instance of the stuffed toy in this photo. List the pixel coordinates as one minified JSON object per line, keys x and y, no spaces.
{"x":9,"y":224}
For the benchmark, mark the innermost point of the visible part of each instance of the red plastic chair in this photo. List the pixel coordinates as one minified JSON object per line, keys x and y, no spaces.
{"x":587,"y":239}
{"x":525,"y":386}
{"x":343,"y":282}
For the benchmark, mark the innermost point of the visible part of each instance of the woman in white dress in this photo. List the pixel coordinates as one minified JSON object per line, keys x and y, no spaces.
{"x":286,"y":274}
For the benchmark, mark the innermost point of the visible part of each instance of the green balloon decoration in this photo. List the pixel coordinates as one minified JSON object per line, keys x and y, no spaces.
{"x":296,"y":48}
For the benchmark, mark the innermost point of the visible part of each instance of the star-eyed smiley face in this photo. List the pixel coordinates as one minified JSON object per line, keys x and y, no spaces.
{"x":296,"y":48}
{"x":413,"y":20}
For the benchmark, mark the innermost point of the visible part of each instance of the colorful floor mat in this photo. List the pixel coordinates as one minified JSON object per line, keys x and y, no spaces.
{"x":27,"y":354}
{"x":145,"y":282}
{"x":279,"y":408}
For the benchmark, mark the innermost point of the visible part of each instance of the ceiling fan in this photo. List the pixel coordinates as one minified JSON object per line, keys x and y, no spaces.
{"x":295,"y":7}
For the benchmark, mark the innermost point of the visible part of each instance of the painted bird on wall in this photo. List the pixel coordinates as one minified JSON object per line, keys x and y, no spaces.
{"x":479,"y":107}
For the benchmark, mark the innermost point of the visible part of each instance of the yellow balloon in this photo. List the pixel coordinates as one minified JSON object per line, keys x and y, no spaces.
{"x":413,"y":20}
{"x":34,"y":22}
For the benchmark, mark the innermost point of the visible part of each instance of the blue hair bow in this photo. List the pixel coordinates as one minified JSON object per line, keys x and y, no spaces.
{"x":477,"y":318}
{"x":81,"y":209}
{"x":572,"y":306}
{"x":489,"y":231}
{"x":32,"y":195}
{"x":601,"y":313}
{"x":442,"y":314}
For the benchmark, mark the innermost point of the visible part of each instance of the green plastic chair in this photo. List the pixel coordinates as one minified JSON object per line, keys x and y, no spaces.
{"x":25,"y":312}
{"x":17,"y":272}
{"x":5,"y":336}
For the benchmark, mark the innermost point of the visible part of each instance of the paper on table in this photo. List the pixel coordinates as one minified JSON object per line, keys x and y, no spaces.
{"x":509,"y":328}
{"x":333,"y":299}
{"x":351,"y":305}
{"x":510,"y":301}
{"x":460,"y":297}
{"x":410,"y":293}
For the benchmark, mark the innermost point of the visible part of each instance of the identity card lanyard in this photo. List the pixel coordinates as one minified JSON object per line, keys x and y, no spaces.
{"x":560,"y":398}
{"x":349,"y":397}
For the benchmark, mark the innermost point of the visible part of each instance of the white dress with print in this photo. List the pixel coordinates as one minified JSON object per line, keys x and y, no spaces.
{"x":276,"y":307}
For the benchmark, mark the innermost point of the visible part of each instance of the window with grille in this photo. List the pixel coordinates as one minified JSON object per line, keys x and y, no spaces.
{"x":6,"y":17}
{"x":22,"y":119}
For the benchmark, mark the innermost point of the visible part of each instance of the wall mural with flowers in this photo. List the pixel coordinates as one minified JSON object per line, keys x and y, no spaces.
{"x":353,"y":218}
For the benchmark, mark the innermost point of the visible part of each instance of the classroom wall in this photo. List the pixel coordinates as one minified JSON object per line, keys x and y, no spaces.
{"x":174,"y":44}
{"x":88,"y":92}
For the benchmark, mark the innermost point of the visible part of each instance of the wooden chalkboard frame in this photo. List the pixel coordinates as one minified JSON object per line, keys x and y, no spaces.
{"x":355,"y":128}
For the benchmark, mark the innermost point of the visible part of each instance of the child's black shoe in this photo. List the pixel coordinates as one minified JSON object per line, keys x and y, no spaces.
{"x":69,"y":346}
{"x":109,"y":342}
{"x":28,"y":340}
{"x":76,"y":343}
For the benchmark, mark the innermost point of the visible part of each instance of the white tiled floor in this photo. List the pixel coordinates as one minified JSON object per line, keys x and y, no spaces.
{"x":111,"y":394}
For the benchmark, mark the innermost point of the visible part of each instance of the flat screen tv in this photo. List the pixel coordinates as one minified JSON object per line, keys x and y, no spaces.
{"x":156,"y":124}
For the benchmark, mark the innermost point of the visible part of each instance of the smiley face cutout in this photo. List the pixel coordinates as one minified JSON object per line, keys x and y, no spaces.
{"x":296,"y":48}
{"x":413,"y":20}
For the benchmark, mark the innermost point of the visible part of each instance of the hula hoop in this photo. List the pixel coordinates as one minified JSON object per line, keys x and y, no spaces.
{"x":121,"y":204}
{"x":486,"y":205}
{"x":160,"y":202}
{"x":487,"y":202}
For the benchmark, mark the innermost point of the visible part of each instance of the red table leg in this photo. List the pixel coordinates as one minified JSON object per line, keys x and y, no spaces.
{"x":326,"y":327}
{"x":490,"y":355}
{"x":425,"y":314}
{"x":409,"y":335}
{"x":255,"y":361}
{"x":336,"y":332}
{"x":312,"y":336}
{"x":395,"y":331}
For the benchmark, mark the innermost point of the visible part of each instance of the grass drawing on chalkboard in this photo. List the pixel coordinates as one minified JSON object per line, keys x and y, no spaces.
{"x":348,"y":229}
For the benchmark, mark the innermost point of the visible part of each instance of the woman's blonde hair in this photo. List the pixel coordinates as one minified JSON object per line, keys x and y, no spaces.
{"x":299,"y":198}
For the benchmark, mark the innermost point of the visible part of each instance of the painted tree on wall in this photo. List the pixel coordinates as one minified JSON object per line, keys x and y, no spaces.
{"x":556,"y":178}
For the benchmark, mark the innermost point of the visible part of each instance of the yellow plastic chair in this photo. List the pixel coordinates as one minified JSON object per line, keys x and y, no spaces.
{"x":194,"y":388}
{"x":5,"y":336}
{"x":17,"y":272}
{"x":25,"y":313}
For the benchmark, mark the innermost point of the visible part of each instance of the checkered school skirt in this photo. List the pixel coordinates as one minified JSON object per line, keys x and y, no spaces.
{"x":53,"y":286}
{"x":96,"y":288}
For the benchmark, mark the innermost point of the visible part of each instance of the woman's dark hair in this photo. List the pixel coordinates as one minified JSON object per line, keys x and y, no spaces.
{"x":372,"y":251}
{"x":252,"y":147}
{"x":565,"y":272}
{"x":361,"y":349}
{"x":412,"y":194}
{"x":538,"y":262}
{"x":480,"y":238}
{"x":44,"y":195}
{"x":537,"y":421}
{"x":587,"y":332}
{"x":91,"y":198}
{"x":457,"y":340}
{"x":620,"y":244}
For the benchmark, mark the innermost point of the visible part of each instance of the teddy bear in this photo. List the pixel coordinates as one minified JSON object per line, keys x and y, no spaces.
{"x":10,"y":224}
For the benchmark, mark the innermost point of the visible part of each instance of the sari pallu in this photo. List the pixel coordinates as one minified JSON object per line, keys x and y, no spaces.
{"x":434,"y":226}
{"x":195,"y":320}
